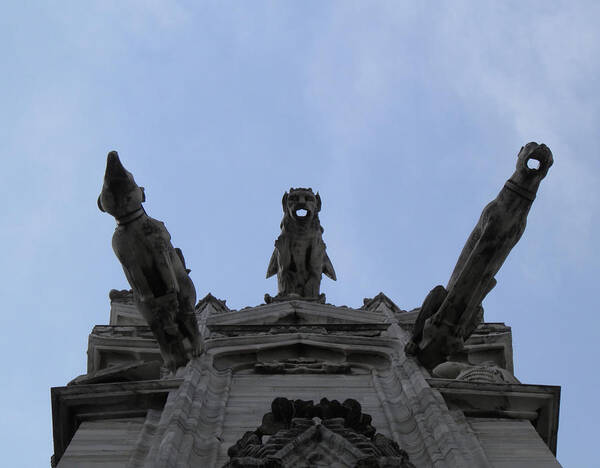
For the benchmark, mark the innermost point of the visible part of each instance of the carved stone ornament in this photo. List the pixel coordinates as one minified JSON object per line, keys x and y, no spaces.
{"x":124,"y":296}
{"x":484,"y":372}
{"x":302,"y":366}
{"x":299,"y":257}
{"x":162,"y":288}
{"x":449,"y":315}
{"x":305,"y":435}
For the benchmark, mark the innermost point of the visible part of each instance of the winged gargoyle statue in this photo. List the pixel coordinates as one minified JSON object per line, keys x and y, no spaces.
{"x":162,"y":288}
{"x":299,"y":257}
{"x":449,"y":315}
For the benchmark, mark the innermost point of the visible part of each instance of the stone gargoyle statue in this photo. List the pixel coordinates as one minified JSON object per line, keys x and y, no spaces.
{"x":449,"y":315}
{"x":162,"y":289}
{"x":299,"y":257}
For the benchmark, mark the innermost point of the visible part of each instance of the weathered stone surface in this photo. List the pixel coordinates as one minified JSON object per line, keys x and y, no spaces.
{"x":294,"y":425}
{"x":220,"y":397}
{"x":538,"y":404}
{"x":302,"y":366}
{"x":187,"y":433}
{"x":102,"y":443}
{"x":299,"y":257}
{"x":76,"y":404}
{"x":486,"y":372}
{"x":449,"y":315}
{"x":512,"y":443}
{"x":125,"y":372}
{"x":248,"y":398}
{"x":216,"y":305}
{"x":162,"y":288}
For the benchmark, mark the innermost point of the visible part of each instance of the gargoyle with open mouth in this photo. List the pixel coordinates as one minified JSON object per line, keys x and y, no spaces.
{"x":299,"y":257}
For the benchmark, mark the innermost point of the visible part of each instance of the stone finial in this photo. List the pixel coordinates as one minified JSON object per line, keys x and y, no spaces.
{"x":162,"y":288}
{"x":449,"y":315}
{"x":299,"y":257}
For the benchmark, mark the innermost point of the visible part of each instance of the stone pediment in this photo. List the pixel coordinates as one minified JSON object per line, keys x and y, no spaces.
{"x":316,"y":443}
{"x":297,"y":316}
{"x":329,"y":434}
{"x":211,"y":305}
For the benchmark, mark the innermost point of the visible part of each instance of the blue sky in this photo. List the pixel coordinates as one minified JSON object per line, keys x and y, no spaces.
{"x":405,"y":116}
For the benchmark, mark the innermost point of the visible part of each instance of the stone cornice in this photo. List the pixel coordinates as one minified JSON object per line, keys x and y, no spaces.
{"x":536,"y":403}
{"x":74,"y":404}
{"x":268,"y":327}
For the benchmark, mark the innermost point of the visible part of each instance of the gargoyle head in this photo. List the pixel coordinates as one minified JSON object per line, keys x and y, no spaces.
{"x":534,"y":161}
{"x":301,"y":205}
{"x":120,"y":194}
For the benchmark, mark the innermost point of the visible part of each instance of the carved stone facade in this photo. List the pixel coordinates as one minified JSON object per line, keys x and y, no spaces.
{"x":432,"y":387}
{"x":319,"y":352}
{"x":303,"y":434}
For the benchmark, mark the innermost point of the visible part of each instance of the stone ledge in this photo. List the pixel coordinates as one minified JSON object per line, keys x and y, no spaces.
{"x":77,"y":403}
{"x":266,"y":328}
{"x":536,"y":403}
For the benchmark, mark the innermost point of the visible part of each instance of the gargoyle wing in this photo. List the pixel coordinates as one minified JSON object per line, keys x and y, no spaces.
{"x":273,"y":265}
{"x":328,"y":267}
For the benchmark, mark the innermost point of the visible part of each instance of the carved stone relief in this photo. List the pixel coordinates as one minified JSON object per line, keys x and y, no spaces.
{"x":303,"y":434}
{"x":301,"y":366}
{"x":485,"y":372}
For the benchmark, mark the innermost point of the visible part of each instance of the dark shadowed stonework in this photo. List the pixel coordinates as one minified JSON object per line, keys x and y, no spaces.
{"x":247,"y":397}
{"x":449,"y":315}
{"x":333,"y":432}
{"x":162,"y":288}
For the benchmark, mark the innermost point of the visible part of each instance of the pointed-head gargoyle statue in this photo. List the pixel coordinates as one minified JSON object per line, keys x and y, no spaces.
{"x":299,"y":257}
{"x":162,"y":288}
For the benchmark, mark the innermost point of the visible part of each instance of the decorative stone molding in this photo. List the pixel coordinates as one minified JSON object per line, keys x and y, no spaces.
{"x":124,"y":296}
{"x":423,"y":416}
{"x":126,"y":372}
{"x":116,"y":345}
{"x":486,"y":372}
{"x":419,"y":419}
{"x":302,"y":432}
{"x":371,"y":304}
{"x":75,"y":404}
{"x":187,"y":433}
{"x":217,"y":306}
{"x":538,"y":404}
{"x":359,"y":329}
{"x":302,"y":366}
{"x":126,"y":331}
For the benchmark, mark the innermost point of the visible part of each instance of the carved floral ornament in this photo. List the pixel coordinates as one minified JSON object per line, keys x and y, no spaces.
{"x":300,"y":434}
